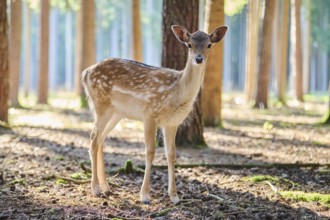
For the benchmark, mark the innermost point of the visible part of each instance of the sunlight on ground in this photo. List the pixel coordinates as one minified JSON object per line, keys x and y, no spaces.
{"x":42,"y":119}
{"x":63,"y":100}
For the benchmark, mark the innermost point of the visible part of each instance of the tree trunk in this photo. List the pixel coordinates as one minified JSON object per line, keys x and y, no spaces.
{"x":87,"y":55}
{"x":4,"y":63}
{"x":284,"y":52}
{"x":211,"y":100}
{"x":296,"y":55}
{"x":43,"y":53}
{"x":136,"y":35}
{"x":265,"y":56}
{"x":174,"y":56}
{"x":27,"y":48}
{"x":326,"y":117}
{"x":252,"y":49}
{"x":15,"y":50}
{"x":276,"y":44}
{"x":299,"y":83}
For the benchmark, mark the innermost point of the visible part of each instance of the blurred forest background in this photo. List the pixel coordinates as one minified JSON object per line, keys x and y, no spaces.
{"x":113,"y":32}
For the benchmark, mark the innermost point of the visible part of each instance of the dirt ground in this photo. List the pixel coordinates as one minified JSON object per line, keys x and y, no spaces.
{"x":50,"y":143}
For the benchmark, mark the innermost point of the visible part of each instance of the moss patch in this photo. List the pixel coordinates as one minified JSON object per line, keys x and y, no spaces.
{"x":17,"y":181}
{"x":261,"y":178}
{"x":80,"y":176}
{"x":273,"y":179}
{"x":61,"y":181}
{"x":307,"y":197}
{"x":59,"y":157}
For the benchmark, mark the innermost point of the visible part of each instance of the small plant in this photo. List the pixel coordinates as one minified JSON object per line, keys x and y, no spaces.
{"x":59,"y":157}
{"x":17,"y":181}
{"x":261,"y":178}
{"x":307,"y":197}
{"x":80,"y":176}
{"x":268,"y":126}
{"x":61,"y":181}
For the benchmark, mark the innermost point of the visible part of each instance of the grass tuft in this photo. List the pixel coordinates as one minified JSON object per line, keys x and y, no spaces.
{"x":268,"y":126}
{"x":261,"y":178}
{"x":307,"y":197}
{"x":17,"y":181}
{"x":77,"y":176}
{"x":61,"y":181}
{"x":59,"y":157}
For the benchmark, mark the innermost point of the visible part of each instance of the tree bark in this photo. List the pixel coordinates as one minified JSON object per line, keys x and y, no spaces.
{"x":15,"y":50}
{"x":299,"y":83}
{"x":174,"y":56}
{"x":252,"y":49}
{"x":86,"y":55}
{"x":136,"y":35}
{"x":326,"y":117}
{"x":4,"y":63}
{"x":43,"y":53}
{"x":265,"y":56}
{"x":211,"y":100}
{"x":284,"y":52}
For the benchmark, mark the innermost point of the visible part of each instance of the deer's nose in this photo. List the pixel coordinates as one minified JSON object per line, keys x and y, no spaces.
{"x":199,"y":58}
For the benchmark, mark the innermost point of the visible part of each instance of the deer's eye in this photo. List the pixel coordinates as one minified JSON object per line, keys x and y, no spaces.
{"x":189,"y":45}
{"x":209,"y":46}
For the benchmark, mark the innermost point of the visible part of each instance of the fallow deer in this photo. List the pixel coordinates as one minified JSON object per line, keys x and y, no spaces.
{"x":159,"y":97}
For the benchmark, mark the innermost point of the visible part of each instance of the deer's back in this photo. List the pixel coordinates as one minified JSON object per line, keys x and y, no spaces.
{"x":136,"y":89}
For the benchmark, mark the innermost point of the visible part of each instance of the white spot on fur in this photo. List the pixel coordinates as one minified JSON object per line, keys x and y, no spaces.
{"x":105,"y":85}
{"x":161,"y":89}
{"x":137,"y":95}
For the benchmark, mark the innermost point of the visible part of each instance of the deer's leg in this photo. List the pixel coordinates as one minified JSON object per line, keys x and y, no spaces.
{"x":100,"y":158}
{"x":149,"y":135}
{"x":169,"y":137}
{"x":101,"y":120}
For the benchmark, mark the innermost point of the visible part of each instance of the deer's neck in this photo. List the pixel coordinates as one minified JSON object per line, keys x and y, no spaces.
{"x":192,"y":79}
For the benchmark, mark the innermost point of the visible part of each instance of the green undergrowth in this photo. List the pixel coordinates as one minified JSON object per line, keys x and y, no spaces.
{"x":17,"y":181}
{"x":60,"y":181}
{"x":78,"y":176}
{"x":294,"y":195}
{"x":261,"y":178}
{"x":307,"y":197}
{"x":59,"y":157}
{"x":272,"y":179}
{"x":325,"y":119}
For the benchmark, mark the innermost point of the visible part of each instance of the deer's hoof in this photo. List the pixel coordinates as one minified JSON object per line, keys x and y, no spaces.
{"x":175,"y":199}
{"x":97,"y":194}
{"x":107,"y":193}
{"x":96,"y":190}
{"x":145,"y":198}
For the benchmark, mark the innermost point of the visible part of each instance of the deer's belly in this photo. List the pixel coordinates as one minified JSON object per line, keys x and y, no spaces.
{"x":128,"y":108}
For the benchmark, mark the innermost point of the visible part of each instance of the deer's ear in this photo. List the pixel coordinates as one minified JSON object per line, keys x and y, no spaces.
{"x":181,"y":33}
{"x":218,"y":33}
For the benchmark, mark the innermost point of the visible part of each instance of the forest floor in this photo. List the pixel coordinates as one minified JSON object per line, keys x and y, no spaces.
{"x":41,"y":176}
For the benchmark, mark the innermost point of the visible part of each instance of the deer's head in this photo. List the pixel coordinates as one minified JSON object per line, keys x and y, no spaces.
{"x":199,"y":43}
